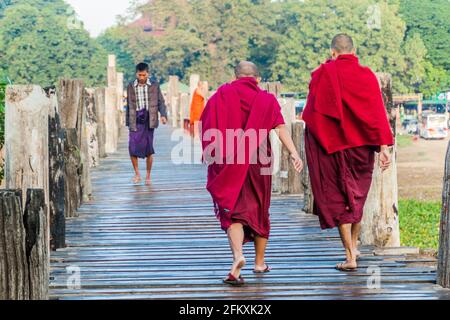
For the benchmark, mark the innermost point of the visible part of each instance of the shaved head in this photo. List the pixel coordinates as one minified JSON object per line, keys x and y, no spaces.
{"x":246,"y":69}
{"x":342,"y":44}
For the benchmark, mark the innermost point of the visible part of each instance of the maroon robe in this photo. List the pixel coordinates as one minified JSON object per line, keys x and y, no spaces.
{"x":241,"y":194}
{"x":346,"y":122}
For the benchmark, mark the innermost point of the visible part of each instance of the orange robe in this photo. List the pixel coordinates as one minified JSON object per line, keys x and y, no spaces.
{"x":197,"y":107}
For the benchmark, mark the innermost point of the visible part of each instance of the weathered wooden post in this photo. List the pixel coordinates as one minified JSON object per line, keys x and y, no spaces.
{"x":26,"y":139}
{"x":92,"y":128}
{"x":73,"y":116}
{"x":173,"y":93}
{"x":308,"y":198}
{"x":14,"y":283}
{"x":443,"y":269}
{"x":111,"y":108}
{"x":194,"y":79}
{"x":184,"y":110}
{"x":99,"y":101}
{"x":24,"y":254}
{"x":57,"y":140}
{"x":120,"y":105}
{"x":295,"y":183}
{"x":36,"y":245}
{"x":288,"y":111}
{"x":380,"y":225}
{"x":72,"y":158}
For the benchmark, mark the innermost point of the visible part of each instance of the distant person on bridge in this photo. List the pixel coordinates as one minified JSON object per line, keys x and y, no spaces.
{"x":346,"y":123}
{"x":235,"y":129}
{"x":145,"y":101}
{"x":197,"y":107}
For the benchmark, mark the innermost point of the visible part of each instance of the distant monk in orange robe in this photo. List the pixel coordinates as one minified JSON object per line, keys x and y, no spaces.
{"x":197,"y":107}
{"x":236,"y":123}
{"x":346,"y":123}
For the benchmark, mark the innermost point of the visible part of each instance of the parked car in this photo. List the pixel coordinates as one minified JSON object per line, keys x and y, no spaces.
{"x":411,"y":126}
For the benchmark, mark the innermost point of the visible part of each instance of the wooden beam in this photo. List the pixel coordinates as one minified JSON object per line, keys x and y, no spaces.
{"x":57,"y":139}
{"x":92,"y":128}
{"x":380,"y":225}
{"x":38,"y":258}
{"x":99,"y":101}
{"x":443,"y":270}
{"x":14,"y":284}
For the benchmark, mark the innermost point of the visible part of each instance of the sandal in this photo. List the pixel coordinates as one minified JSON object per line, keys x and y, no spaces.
{"x":340,"y":267}
{"x":233,"y":281}
{"x":266,"y":270}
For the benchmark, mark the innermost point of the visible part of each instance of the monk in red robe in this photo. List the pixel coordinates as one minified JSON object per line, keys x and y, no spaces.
{"x":346,"y":124}
{"x":235,"y":128}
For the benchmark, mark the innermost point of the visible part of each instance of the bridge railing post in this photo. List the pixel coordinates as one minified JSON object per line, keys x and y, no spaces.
{"x":24,"y":245}
{"x":380,"y":225}
{"x":56,"y":143}
{"x":443,"y":270}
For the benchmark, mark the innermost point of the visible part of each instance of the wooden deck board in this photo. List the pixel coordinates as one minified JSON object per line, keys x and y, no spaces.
{"x":164,"y":242}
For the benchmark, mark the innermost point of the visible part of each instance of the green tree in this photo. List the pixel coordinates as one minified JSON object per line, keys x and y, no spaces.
{"x":436,"y":80}
{"x":40,"y":45}
{"x":431,"y":20}
{"x":376,"y":28}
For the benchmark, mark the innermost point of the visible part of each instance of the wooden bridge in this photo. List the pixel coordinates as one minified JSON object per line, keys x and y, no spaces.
{"x":74,"y":226}
{"x":164,"y":242}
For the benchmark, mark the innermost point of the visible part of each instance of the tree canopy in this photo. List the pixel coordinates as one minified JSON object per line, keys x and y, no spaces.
{"x":286,"y":39}
{"x":40,"y":42}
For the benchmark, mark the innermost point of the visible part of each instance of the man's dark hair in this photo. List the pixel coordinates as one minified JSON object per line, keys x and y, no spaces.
{"x":246,"y":69}
{"x":142,"y":67}
{"x":342,"y":43}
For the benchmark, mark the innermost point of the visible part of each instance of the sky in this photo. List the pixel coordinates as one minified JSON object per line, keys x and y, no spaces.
{"x":97,"y":15}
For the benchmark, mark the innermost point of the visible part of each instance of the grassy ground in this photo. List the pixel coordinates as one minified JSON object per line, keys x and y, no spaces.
{"x":404,"y":141}
{"x":419,"y":223}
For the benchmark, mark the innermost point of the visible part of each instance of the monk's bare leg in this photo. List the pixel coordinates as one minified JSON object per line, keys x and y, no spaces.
{"x":260,"y":252}
{"x":345,"y":231}
{"x":236,"y":239}
{"x":356,"y":230}
{"x":135,"y":162}
{"x":149,"y":169}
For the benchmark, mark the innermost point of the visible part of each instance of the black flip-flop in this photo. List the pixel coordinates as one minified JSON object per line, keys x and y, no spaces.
{"x":233,"y":281}
{"x":266,"y":270}
{"x":340,"y":268}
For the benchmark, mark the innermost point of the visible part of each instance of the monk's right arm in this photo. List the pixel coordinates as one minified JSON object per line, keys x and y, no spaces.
{"x":286,"y":139}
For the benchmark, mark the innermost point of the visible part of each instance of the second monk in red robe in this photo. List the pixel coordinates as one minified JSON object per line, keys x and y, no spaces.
{"x":346,"y":122}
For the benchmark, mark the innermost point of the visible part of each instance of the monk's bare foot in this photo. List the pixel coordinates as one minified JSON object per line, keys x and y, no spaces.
{"x":148,"y":182}
{"x":137,"y":179}
{"x":347,"y":266}
{"x":237,"y":266}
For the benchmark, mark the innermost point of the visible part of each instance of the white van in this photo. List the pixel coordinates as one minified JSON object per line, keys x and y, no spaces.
{"x":434,"y":126}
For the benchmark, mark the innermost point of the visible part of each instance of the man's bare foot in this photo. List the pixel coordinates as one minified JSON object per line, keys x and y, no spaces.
{"x":148,"y":182}
{"x":347,"y":266}
{"x":137,"y":179}
{"x":237,"y":266}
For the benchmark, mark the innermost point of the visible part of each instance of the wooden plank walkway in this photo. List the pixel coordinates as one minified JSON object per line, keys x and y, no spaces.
{"x":164,"y":242}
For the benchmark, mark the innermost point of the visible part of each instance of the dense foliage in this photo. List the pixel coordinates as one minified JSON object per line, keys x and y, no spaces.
{"x":41,"y":41}
{"x":288,"y":39}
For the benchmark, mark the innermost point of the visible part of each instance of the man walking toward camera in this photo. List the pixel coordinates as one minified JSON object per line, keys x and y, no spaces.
{"x":145,"y":102}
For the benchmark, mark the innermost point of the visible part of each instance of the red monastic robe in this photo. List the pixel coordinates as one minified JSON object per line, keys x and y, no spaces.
{"x":240,"y":191}
{"x":346,"y":123}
